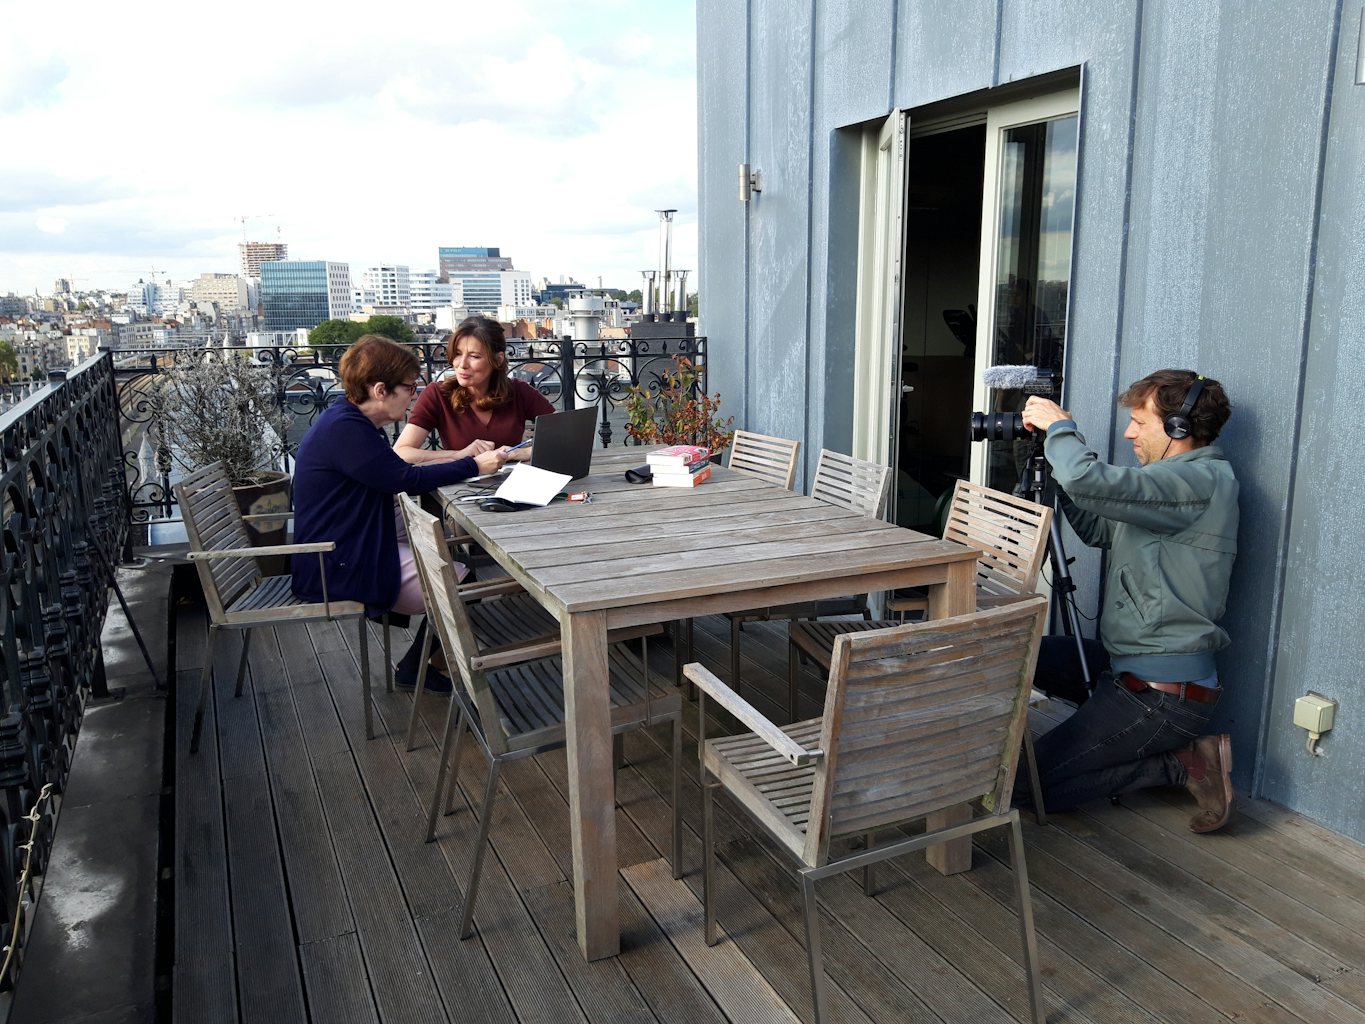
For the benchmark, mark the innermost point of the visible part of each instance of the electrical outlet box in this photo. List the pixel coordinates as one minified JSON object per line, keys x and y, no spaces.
{"x":1315,"y":712}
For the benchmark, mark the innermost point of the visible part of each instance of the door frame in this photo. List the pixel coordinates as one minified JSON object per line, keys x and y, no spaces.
{"x":999,"y":119}
{"x":877,"y":323}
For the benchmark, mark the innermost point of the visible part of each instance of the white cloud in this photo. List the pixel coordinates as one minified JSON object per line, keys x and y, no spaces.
{"x":550,"y":130}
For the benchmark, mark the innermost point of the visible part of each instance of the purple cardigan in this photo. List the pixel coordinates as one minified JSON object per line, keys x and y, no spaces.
{"x":345,"y":477}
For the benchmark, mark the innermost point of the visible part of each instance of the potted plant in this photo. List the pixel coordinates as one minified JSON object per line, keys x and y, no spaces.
{"x":677,"y":411}
{"x":222,"y":405}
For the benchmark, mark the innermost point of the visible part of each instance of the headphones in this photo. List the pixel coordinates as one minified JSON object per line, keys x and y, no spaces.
{"x":1177,"y":425}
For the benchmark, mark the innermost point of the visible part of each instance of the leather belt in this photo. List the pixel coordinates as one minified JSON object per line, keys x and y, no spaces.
{"x":1185,"y":691}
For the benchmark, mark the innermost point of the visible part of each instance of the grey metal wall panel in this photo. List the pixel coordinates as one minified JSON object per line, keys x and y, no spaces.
{"x":722,"y":132}
{"x":852,"y":84}
{"x":944,"y":50}
{"x":1198,"y":217}
{"x":779,"y":283}
{"x":1229,"y":112}
{"x":1034,"y":40}
{"x":1321,"y":644}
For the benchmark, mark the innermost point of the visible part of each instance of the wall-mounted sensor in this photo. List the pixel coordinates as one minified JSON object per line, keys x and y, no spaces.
{"x":1315,"y":713}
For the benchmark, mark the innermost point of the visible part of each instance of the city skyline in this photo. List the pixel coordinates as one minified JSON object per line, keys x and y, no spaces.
{"x":551,"y":134}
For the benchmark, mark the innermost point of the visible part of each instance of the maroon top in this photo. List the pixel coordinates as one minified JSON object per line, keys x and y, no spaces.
{"x":459,"y":430}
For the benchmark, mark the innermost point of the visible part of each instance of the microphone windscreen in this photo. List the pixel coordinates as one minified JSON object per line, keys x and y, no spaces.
{"x":1005,"y":377}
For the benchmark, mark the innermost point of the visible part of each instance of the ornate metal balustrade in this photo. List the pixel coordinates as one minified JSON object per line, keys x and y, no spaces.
{"x":571,"y":374}
{"x":65,"y":521}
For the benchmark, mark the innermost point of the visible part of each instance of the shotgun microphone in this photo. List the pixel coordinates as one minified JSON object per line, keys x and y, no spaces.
{"x":1035,"y":380}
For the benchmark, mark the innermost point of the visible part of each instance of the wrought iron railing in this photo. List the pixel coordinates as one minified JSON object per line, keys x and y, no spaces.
{"x":571,"y":374}
{"x":65,"y":521}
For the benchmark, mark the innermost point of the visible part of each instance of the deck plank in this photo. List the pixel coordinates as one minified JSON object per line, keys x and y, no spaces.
{"x":270,"y":988}
{"x":1138,"y":920}
{"x":338,"y":989}
{"x":399,"y":973}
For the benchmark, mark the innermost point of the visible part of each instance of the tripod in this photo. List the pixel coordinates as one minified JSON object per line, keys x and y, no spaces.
{"x":1034,"y":485}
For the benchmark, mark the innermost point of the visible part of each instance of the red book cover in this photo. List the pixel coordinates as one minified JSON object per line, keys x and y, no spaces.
{"x":677,"y":455}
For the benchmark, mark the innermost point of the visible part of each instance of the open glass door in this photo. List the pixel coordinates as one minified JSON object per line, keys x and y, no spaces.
{"x":1026,"y":240}
{"x":877,"y":326}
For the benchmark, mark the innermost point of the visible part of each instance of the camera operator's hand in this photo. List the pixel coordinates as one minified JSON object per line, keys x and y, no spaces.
{"x":1041,"y":413}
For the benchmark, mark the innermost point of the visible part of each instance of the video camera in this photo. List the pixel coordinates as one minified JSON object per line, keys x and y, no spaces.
{"x":1009,"y":426}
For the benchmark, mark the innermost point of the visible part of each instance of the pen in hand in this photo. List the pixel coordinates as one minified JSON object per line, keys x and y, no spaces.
{"x":519,"y":446}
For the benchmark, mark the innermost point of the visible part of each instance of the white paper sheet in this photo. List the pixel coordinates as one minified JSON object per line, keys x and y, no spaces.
{"x":532,"y":486}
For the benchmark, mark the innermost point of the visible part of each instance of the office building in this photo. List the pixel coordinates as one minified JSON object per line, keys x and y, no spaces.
{"x":226,"y":291}
{"x":255,"y":253}
{"x":427,"y":292}
{"x":468,"y":258}
{"x":303,"y":293}
{"x":386,"y":286}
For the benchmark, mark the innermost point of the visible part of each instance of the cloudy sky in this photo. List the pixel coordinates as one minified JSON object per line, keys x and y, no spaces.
{"x":133,"y":137}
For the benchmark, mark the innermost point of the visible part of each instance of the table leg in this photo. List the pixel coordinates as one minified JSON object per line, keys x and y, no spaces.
{"x":592,"y":796}
{"x":957,"y":596}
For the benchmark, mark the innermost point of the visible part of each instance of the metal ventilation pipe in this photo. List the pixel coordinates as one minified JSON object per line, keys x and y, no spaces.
{"x":680,"y":292}
{"x":647,"y":294}
{"x":665,"y":255}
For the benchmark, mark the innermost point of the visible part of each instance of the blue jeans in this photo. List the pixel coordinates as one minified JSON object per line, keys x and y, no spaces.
{"x":1117,"y":741}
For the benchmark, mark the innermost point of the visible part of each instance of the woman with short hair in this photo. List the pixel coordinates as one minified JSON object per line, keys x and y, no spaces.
{"x":346,"y":477}
{"x":478,"y":406}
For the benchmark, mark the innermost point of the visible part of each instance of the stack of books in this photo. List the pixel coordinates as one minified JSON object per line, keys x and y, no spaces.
{"x":680,"y":465}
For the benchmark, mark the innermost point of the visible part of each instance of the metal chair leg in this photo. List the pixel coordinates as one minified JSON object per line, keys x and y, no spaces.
{"x":485,"y":823}
{"x":1026,"y":932}
{"x":365,"y":677}
{"x":421,"y":685}
{"x":1035,"y":784}
{"x":388,"y":657}
{"x":241,"y":663}
{"x":454,"y":725}
{"x":734,"y":653}
{"x":869,"y":841}
{"x":205,"y":679}
{"x":814,"y":957}
{"x":708,"y":854}
{"x":677,"y":796}
{"x":452,"y":787}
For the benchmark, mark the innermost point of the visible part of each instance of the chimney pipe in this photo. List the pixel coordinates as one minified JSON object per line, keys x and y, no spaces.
{"x":680,"y":294}
{"x":647,"y":294}
{"x":665,"y":244}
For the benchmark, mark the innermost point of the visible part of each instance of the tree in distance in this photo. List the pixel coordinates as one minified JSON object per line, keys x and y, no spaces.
{"x":344,"y":332}
{"x":9,"y":362}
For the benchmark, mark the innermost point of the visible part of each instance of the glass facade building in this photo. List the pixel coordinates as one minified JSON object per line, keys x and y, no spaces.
{"x":303,"y":293}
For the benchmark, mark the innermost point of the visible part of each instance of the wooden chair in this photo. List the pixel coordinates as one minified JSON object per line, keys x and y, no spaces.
{"x":845,"y":482}
{"x":771,"y":458}
{"x":919,"y":719}
{"x":1011,"y":535}
{"x":509,"y":625}
{"x":237,"y":595}
{"x":518,"y":711}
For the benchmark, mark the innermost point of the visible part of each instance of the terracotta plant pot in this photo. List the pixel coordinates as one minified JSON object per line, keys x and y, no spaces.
{"x":270,"y":494}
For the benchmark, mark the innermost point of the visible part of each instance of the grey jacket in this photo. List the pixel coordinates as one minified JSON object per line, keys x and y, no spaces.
{"x":1171,"y":530}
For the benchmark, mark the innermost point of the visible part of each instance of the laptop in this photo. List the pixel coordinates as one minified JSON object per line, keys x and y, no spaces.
{"x":564,"y":442}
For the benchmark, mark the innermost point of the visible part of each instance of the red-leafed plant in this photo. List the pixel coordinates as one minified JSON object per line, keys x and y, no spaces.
{"x":677,"y":411}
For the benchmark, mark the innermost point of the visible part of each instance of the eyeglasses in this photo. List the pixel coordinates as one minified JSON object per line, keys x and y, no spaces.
{"x":411,"y":387}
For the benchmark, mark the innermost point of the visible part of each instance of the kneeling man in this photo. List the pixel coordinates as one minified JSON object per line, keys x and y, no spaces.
{"x":1170,"y":526}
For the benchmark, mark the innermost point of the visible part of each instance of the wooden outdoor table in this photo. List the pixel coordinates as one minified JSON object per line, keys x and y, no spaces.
{"x":645,"y":554}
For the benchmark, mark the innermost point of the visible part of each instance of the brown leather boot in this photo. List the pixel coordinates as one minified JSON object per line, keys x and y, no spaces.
{"x":1211,"y":787}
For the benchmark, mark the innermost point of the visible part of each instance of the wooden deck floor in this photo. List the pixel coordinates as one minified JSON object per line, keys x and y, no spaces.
{"x":304,"y":891}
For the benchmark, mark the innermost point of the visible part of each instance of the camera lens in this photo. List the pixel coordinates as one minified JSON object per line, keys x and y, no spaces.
{"x":997,"y":426}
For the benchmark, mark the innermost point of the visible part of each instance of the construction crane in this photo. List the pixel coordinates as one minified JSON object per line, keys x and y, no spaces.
{"x":243,"y":218}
